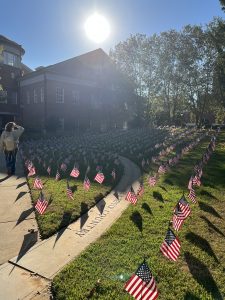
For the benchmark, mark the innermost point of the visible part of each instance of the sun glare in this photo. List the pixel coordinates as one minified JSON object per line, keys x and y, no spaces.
{"x":97,"y":28}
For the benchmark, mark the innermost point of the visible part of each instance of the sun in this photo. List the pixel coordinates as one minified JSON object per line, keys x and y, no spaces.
{"x":97,"y":28}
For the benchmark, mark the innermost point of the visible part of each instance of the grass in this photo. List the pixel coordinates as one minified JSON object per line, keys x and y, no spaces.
{"x":101,"y":271}
{"x":84,"y":150}
{"x":61,"y":210}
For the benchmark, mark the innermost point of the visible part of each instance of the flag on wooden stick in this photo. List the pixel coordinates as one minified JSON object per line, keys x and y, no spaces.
{"x":142,"y":284}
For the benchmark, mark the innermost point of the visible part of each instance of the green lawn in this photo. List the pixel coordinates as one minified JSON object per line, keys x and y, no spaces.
{"x":101,"y":271}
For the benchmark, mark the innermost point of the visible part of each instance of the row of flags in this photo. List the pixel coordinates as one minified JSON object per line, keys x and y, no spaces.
{"x":141,"y":284}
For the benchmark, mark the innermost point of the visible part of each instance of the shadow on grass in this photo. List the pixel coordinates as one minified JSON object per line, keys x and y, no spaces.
{"x":136,"y":218}
{"x":20,"y":195}
{"x":66,"y":219}
{"x":163,"y":188}
{"x":83,"y":213}
{"x":168,"y":181}
{"x":74,"y":188}
{"x":201,"y":243}
{"x":190,"y":296}
{"x":24,"y":215}
{"x":207,"y":194}
{"x":207,"y":208}
{"x":29,"y":241}
{"x":201,"y":274}
{"x":147,"y":208}
{"x":158,"y":196}
{"x":212,"y":226}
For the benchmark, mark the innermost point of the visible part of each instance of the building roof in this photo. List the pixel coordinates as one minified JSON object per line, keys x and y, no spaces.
{"x":9,"y":42}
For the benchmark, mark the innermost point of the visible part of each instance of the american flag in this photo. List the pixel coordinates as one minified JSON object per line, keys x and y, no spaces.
{"x":69,"y":191}
{"x":196,"y":181}
{"x":63,"y":167}
{"x":162,"y":169}
{"x":181,"y":212}
{"x":49,"y":170}
{"x":38,"y":183}
{"x":32,"y":171}
{"x":41,"y":204}
{"x":190,"y":183}
{"x":87,"y":183}
{"x":75,"y":172}
{"x":140,"y":191}
{"x":57,"y":176}
{"x":142,"y":284}
{"x":152,"y":180}
{"x":113,"y":174}
{"x":131,"y":197}
{"x":99,"y":177}
{"x":171,"y":246}
{"x":192,"y":195}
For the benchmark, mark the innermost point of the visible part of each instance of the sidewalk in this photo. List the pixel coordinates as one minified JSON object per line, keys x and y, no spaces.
{"x":16,"y":213}
{"x":27,"y":274}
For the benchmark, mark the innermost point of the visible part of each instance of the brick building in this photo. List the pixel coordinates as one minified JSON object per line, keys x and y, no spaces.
{"x":83,"y":92}
{"x":11,"y":68}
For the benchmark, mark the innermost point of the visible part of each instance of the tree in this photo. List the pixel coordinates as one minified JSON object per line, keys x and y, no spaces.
{"x":222,"y":2}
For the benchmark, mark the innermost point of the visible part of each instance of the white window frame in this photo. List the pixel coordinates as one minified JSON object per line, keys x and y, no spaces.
{"x":35,"y":96}
{"x":59,"y":95}
{"x":75,"y":97}
{"x":42,"y":95}
{"x":28,"y":97}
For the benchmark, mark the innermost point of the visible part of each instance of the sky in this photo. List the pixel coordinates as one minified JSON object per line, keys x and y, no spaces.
{"x":51,"y":31}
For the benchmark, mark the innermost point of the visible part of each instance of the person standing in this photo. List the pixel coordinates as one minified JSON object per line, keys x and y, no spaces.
{"x":9,"y":142}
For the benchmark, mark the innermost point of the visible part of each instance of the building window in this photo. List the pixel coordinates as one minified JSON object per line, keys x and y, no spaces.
{"x":35,"y":96}
{"x":3,"y":95}
{"x":59,"y":95}
{"x":42,"y":95}
{"x":95,"y":102}
{"x":11,"y":59}
{"x":75,"y":97}
{"x":28,"y":97}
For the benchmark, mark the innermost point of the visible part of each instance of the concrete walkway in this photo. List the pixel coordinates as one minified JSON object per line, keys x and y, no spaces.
{"x":27,"y":276}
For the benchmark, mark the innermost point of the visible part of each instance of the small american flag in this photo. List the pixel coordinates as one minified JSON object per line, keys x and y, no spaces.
{"x":162,"y":169}
{"x":69,"y":191}
{"x":32,"y":171}
{"x":185,"y":208}
{"x":87,"y":183}
{"x":152,"y":180}
{"x":192,"y":195}
{"x":131,"y":197}
{"x":63,"y":167}
{"x":57,"y":176}
{"x":75,"y":173}
{"x":170,"y":248}
{"x":140,"y":191}
{"x":38,"y":183}
{"x":41,"y":204}
{"x":49,"y":170}
{"x":196,"y":181}
{"x":99,"y":177}
{"x":142,"y":284}
{"x":181,"y":212}
{"x":190,"y":183}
